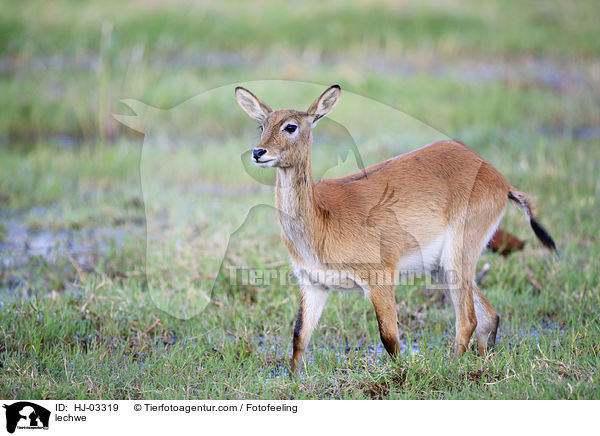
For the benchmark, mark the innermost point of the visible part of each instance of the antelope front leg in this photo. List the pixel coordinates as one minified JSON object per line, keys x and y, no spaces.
{"x":312,"y":301}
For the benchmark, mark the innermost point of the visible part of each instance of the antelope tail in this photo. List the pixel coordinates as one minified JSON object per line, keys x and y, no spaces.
{"x":525,"y":203}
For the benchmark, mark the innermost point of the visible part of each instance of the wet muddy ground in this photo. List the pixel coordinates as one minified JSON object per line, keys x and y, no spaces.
{"x":52,"y":259}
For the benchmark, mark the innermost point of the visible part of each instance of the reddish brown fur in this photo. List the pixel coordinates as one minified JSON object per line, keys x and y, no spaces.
{"x":505,"y":243}
{"x":440,"y":197}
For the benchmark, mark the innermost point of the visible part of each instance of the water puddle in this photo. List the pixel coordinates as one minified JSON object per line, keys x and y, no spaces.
{"x":26,"y":254}
{"x":371,"y":353}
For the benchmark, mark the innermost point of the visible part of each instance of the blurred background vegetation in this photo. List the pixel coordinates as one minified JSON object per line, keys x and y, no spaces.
{"x":65,"y":67}
{"x":517,"y":81}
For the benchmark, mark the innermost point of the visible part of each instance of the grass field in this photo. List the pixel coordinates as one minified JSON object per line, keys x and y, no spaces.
{"x":516,"y":81}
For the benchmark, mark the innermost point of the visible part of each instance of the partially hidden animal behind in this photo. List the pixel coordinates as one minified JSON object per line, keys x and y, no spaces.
{"x":430,"y":211}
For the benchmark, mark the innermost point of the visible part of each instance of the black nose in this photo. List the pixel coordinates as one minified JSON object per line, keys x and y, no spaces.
{"x":258,"y":152}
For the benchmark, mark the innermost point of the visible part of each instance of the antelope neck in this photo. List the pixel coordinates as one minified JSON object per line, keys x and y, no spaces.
{"x":295,"y":192}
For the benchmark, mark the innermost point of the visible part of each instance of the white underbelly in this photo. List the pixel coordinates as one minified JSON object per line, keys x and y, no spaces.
{"x":421,"y":261}
{"x":330,"y":278}
{"x":426,"y":258}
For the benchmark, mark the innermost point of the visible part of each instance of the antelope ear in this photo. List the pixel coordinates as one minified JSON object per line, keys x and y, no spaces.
{"x":325,"y":103}
{"x":252,"y":104}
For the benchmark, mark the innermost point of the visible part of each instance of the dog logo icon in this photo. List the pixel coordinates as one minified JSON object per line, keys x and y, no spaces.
{"x":26,"y":415}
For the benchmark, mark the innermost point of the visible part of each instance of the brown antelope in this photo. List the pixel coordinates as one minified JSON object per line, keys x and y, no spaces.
{"x":432,"y":210}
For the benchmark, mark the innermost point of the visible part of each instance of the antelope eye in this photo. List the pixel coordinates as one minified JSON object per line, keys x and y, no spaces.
{"x":290,"y":128}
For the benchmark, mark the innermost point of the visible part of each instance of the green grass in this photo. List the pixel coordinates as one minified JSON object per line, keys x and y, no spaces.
{"x":509,"y":27}
{"x":515,"y":81}
{"x":77,"y":342}
{"x":67,"y":66}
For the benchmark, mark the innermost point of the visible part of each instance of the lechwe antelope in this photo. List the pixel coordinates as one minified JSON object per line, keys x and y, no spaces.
{"x":429,"y":211}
